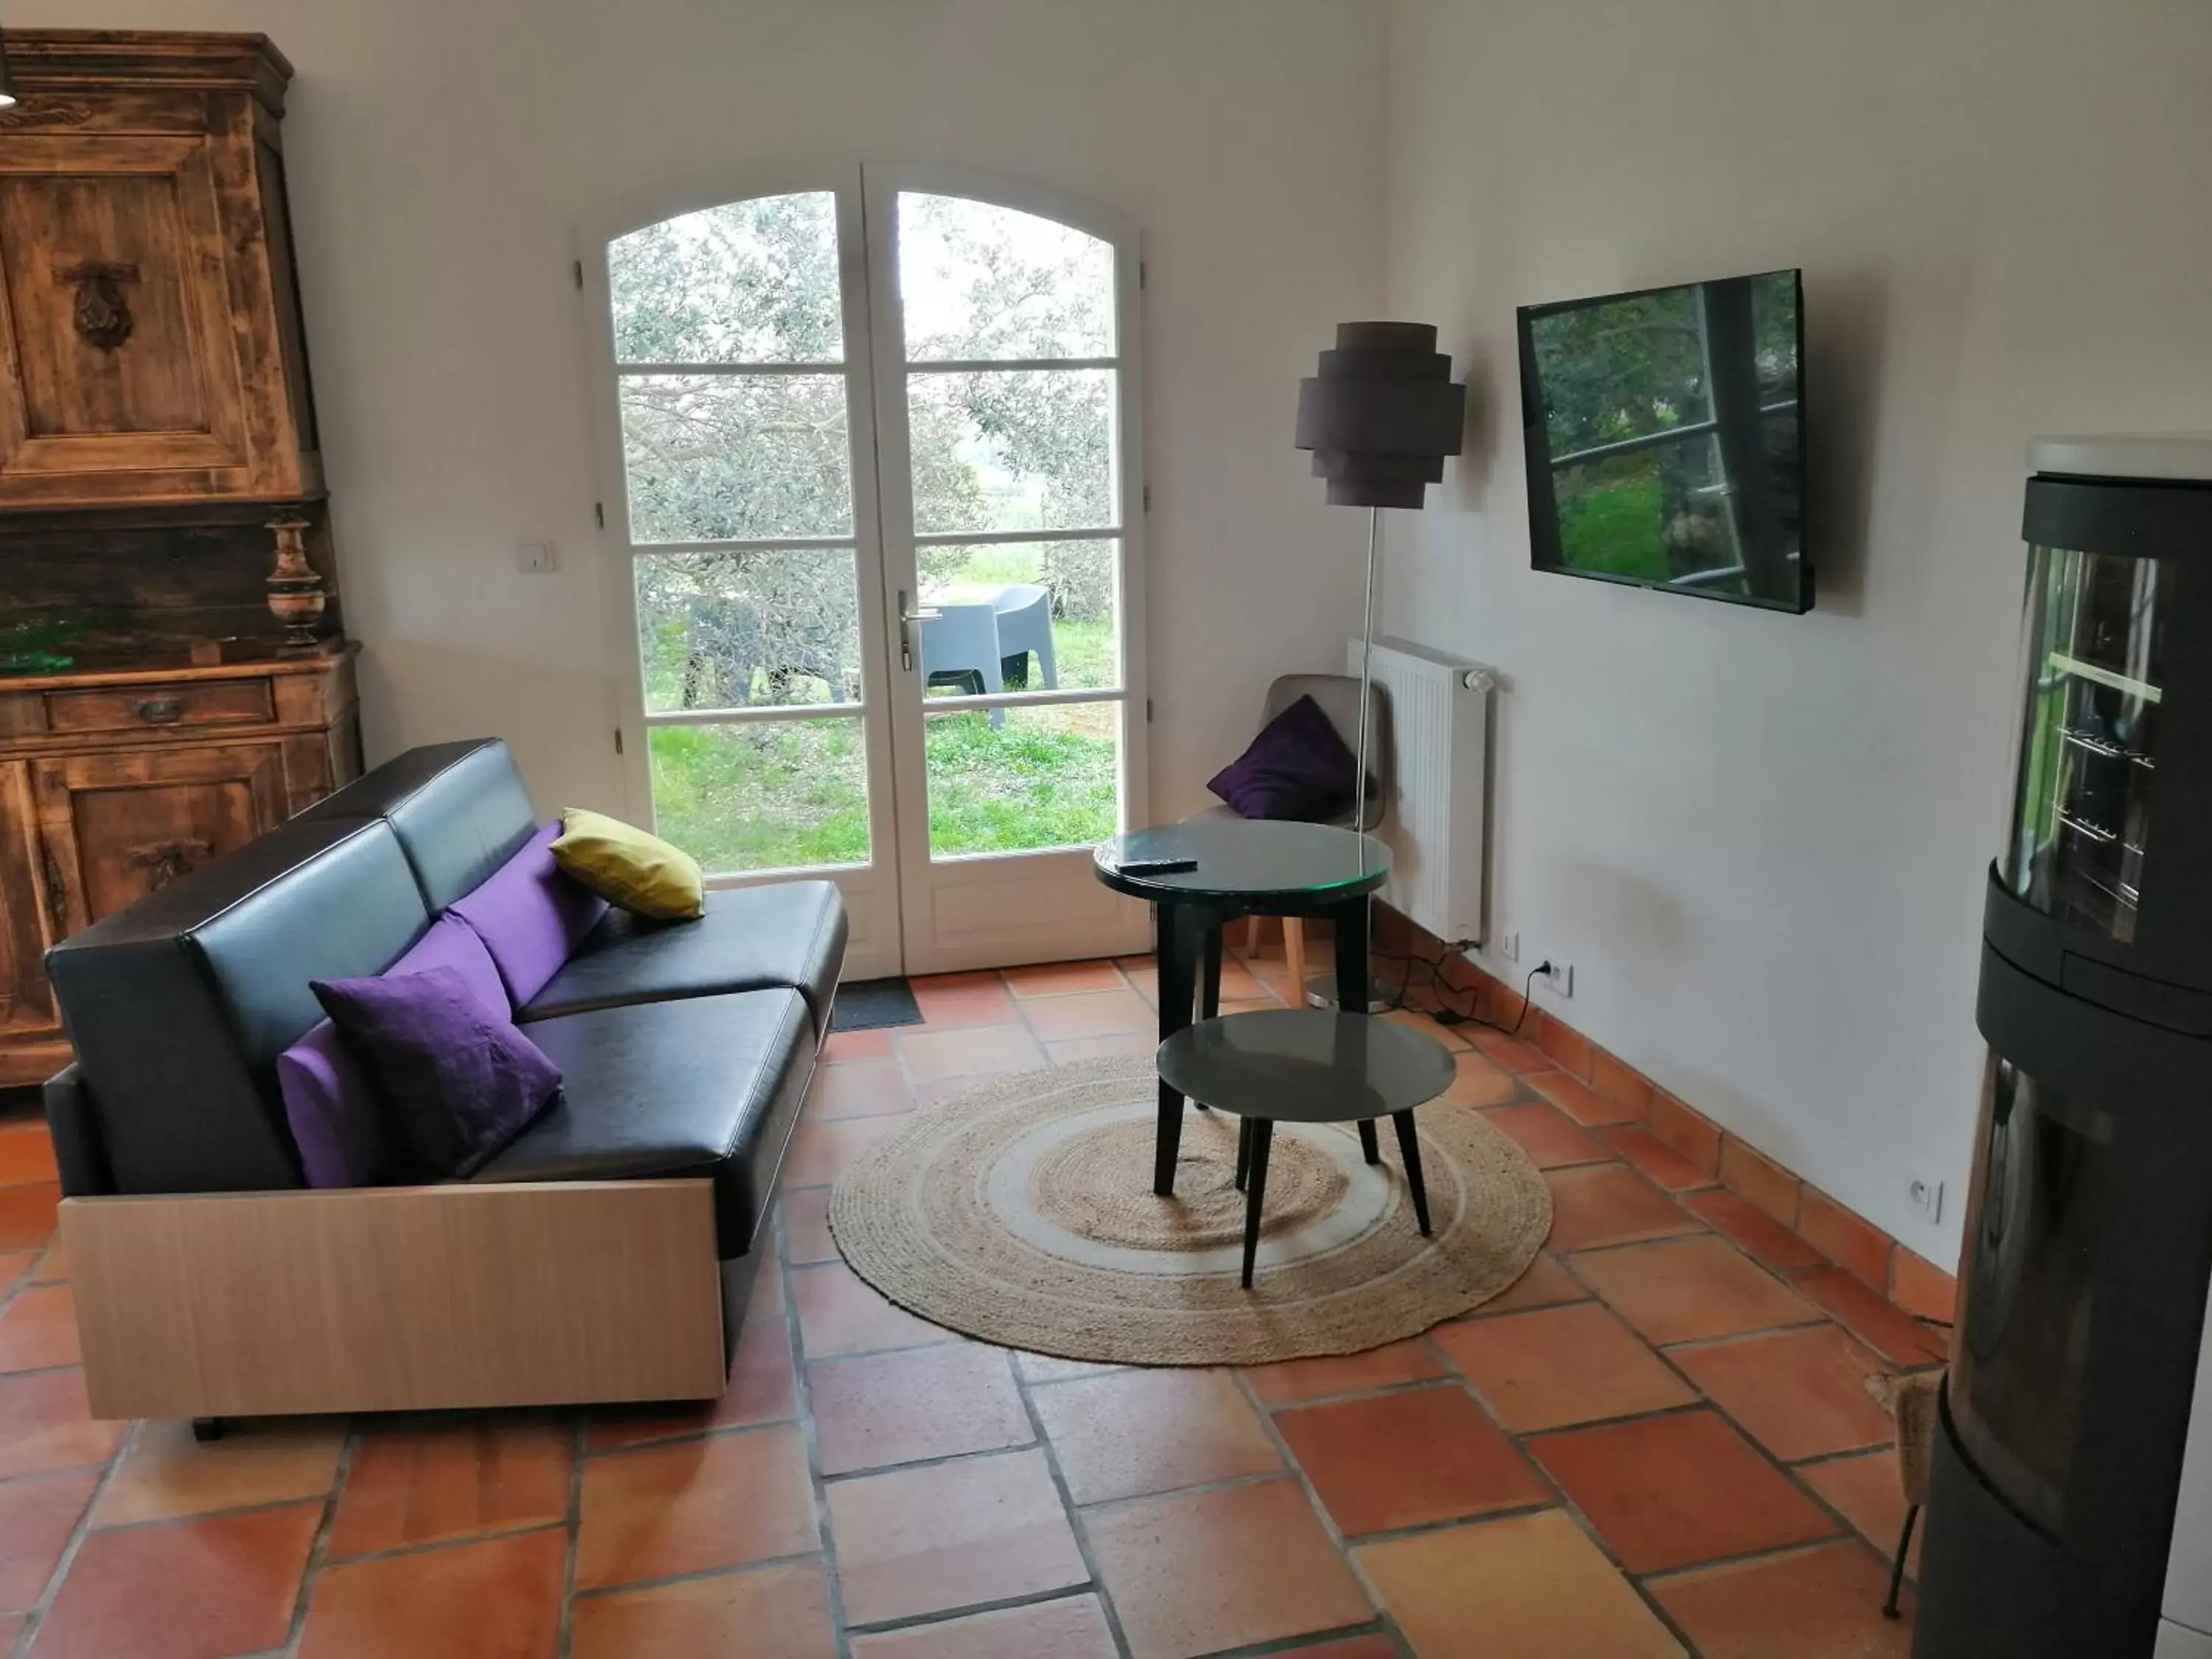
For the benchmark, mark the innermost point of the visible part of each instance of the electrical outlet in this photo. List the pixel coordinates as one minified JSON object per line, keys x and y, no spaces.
{"x":1926,"y":1198}
{"x":534,"y":558}
{"x":1561,"y":977}
{"x":1509,"y":944}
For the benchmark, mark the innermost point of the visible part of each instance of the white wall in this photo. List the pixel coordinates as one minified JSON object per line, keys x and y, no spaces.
{"x":1760,"y":839}
{"x":441,"y":154}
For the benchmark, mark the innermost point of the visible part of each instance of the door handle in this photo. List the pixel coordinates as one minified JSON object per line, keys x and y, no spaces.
{"x":909,"y":614}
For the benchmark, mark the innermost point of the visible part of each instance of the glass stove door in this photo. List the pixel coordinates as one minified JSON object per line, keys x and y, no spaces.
{"x":2036,"y":1223}
{"x":2095,"y":649}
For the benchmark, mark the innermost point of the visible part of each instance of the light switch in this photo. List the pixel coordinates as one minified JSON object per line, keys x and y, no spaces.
{"x":534,"y":558}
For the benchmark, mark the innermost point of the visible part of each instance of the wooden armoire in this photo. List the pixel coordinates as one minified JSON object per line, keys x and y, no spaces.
{"x":171,"y":684}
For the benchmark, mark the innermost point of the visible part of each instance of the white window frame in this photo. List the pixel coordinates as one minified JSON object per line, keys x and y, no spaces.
{"x":902,"y":875}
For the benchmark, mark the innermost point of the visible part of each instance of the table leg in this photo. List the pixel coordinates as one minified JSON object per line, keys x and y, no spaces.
{"x":1409,"y":1148}
{"x":1173,"y":966}
{"x":1351,"y":990}
{"x":1352,"y":975}
{"x":1255,"y":1191}
{"x":1243,"y":1150}
{"x":1201,"y":938}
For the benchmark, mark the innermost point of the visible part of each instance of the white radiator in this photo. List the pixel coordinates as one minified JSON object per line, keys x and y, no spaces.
{"x":1440,"y":735}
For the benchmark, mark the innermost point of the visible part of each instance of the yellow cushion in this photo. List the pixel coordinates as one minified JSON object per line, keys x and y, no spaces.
{"x":626,"y":866}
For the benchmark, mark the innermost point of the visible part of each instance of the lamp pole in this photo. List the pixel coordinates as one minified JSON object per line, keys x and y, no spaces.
{"x":1379,"y":417}
{"x":1366,"y":670}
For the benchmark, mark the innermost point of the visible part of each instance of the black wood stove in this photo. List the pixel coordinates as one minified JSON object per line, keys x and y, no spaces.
{"x":2089,"y":1224}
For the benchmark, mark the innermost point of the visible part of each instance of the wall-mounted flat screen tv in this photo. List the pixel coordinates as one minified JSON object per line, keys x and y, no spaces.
{"x":1666,"y":439}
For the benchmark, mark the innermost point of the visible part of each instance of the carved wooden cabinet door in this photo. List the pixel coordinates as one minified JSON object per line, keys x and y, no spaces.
{"x":122,"y":352}
{"x":27,"y":1007}
{"x":149,"y":320}
{"x":115,"y":827}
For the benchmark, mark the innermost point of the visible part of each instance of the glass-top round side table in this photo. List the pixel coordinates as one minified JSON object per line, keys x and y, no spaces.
{"x":1308,"y":1066}
{"x":1244,"y":867}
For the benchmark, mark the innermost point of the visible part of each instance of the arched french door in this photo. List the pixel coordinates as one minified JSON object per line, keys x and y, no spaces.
{"x":879,"y":539}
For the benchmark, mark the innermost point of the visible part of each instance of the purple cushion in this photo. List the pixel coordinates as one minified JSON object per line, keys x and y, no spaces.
{"x":1298,"y":768}
{"x":343,"y":1133}
{"x":453,"y":944}
{"x":531,"y":915}
{"x":331,"y":1104}
{"x":456,"y":1082}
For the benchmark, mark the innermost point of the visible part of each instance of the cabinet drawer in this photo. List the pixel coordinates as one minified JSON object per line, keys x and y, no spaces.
{"x":136,"y":708}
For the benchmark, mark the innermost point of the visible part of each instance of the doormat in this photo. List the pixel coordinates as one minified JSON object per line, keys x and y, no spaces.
{"x":871,"y":1004}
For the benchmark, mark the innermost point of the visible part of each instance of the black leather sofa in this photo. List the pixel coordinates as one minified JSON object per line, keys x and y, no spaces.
{"x":685,"y":1048}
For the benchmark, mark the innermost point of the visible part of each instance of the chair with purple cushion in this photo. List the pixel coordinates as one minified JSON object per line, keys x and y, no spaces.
{"x":1338,"y":696}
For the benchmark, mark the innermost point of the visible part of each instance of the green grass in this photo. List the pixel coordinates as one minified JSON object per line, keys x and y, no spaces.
{"x":1086,"y":653}
{"x":764,"y":796}
{"x":1047,"y":778}
{"x":790,"y":793}
{"x":1000,"y":564}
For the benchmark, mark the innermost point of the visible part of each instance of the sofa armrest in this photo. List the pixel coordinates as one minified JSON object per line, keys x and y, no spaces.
{"x":73,"y":1121}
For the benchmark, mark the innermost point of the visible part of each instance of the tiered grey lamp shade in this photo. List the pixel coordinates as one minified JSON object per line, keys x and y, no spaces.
{"x":1381,"y":415}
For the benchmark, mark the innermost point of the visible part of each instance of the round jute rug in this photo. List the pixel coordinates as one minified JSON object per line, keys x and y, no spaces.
{"x":1022,"y":1212}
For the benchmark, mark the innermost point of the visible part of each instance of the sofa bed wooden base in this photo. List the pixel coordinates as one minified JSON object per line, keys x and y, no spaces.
{"x":238,"y":1305}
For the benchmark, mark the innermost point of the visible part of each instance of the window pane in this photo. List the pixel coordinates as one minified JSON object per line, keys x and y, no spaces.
{"x":764,"y":795}
{"x":1022,"y":449}
{"x":1039,"y":778}
{"x":978,"y":282}
{"x":728,"y":630}
{"x":735,"y":458}
{"x":1624,"y":370}
{"x":1046,"y":612}
{"x":2098,"y":627}
{"x":745,"y":283}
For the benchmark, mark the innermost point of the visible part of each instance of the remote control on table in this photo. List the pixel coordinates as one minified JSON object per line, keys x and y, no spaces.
{"x":1156,"y":866}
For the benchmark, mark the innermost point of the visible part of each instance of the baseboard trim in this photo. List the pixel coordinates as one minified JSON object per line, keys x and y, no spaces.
{"x":1847,"y":1256}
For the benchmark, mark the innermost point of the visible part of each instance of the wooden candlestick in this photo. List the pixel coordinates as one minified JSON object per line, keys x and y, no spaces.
{"x":297,"y":598}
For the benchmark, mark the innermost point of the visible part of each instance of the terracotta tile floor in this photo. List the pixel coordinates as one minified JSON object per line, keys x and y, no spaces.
{"x":1656,"y":1443}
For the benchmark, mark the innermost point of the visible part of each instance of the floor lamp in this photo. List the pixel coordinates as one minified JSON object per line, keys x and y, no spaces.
{"x":1380,"y":416}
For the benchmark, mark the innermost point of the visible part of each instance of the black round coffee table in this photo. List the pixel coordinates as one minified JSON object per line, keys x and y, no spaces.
{"x":1308,"y":1066}
{"x":1245,"y":867}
